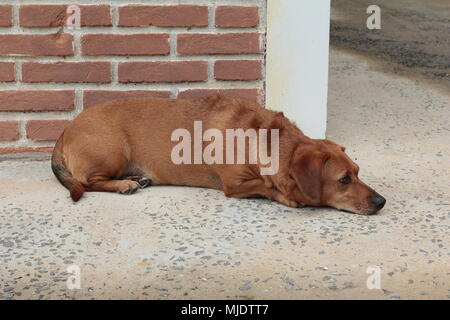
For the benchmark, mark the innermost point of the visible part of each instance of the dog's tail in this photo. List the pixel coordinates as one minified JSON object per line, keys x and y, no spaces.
{"x":63,"y":174}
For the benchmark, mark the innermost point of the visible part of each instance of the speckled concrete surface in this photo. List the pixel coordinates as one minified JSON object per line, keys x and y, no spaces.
{"x":173,"y":242}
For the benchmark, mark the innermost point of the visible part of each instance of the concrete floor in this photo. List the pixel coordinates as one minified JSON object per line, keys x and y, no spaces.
{"x":174,"y":242}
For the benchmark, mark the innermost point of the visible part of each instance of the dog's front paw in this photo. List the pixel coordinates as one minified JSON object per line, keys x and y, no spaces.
{"x":290,"y":203}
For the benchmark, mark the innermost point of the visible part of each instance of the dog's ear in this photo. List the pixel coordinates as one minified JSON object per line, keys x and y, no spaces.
{"x":306,"y":168}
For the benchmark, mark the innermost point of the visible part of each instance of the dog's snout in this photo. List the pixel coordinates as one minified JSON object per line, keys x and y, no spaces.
{"x":379,"y":202}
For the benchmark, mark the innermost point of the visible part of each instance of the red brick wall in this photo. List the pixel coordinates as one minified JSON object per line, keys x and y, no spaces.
{"x":49,"y":73}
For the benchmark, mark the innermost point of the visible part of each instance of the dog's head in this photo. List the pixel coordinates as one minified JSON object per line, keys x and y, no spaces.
{"x":326,"y":176}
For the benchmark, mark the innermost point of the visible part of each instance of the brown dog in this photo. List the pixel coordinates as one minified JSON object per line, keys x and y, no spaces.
{"x":124,"y":145}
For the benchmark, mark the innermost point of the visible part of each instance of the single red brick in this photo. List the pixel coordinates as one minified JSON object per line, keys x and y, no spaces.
{"x":237,"y":70}
{"x":248,"y":94}
{"x":45,"y":130}
{"x":14,"y":150}
{"x":38,"y":15}
{"x":9,"y":130}
{"x":173,"y":71}
{"x":59,"y":44}
{"x":226,"y":43}
{"x":125,"y":44}
{"x":93,"y":97}
{"x":36,"y":100}
{"x":7,"y":72}
{"x":5,"y":15}
{"x":99,"y":72}
{"x":163,"y":16}
{"x":99,"y":15}
{"x":237,"y":16}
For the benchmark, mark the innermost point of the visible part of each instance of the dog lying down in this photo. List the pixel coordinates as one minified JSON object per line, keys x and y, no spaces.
{"x":122,"y":146}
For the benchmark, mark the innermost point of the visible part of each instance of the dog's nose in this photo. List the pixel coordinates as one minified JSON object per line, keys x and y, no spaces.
{"x":379,"y":202}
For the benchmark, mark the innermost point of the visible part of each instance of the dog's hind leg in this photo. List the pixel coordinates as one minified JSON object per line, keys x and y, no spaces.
{"x":119,"y":186}
{"x":103,"y":171}
{"x":143,"y":181}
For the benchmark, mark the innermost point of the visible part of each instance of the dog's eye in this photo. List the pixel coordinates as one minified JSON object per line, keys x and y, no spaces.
{"x":345,"y":180}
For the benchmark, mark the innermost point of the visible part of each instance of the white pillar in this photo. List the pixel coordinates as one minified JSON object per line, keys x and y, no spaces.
{"x":297,"y":62}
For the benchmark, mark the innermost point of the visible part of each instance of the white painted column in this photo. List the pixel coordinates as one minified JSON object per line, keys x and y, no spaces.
{"x":297,"y":62}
